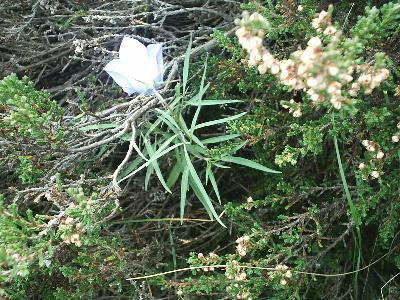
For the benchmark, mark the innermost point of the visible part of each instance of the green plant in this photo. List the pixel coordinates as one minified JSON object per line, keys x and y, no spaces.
{"x":30,"y":128}
{"x":27,"y":113}
{"x":170,"y":133}
{"x":61,"y":250}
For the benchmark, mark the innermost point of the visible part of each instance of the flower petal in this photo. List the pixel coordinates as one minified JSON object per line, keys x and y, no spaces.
{"x":125,"y":75}
{"x":117,"y":70}
{"x":133,"y":50}
{"x":141,"y":68}
{"x":155,"y":54}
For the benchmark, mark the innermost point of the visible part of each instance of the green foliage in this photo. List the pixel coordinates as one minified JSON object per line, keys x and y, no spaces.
{"x":69,"y":251}
{"x":171,"y":134}
{"x":30,"y":128}
{"x":27,"y":171}
{"x":378,"y":25}
{"x":28,"y":113}
{"x":303,"y":217}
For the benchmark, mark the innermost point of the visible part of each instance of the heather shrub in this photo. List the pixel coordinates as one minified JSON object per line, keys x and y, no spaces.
{"x":324,"y":108}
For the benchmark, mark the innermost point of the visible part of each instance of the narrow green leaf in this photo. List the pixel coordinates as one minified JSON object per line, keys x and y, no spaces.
{"x":167,"y":119}
{"x":153,"y":127}
{"x":203,"y":79}
{"x":184,"y":189}
{"x":200,"y":196}
{"x":166,"y":143}
{"x":248,"y":163}
{"x":188,"y":133}
{"x":131,"y":167}
{"x":186,"y":64}
{"x":194,"y":120}
{"x":201,"y":188}
{"x":149,"y":172}
{"x":221,"y":166}
{"x":178,"y":90}
{"x":155,"y":157}
{"x":212,"y":102}
{"x":214,"y":185}
{"x":219,"y":139}
{"x":174,"y":175}
{"x":238,"y":147}
{"x":199,"y":98}
{"x":196,"y":150}
{"x":219,"y":121}
{"x":353,"y":211}
{"x":156,"y":167}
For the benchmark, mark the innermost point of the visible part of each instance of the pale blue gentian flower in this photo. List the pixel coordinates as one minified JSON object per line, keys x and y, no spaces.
{"x":139,"y":68}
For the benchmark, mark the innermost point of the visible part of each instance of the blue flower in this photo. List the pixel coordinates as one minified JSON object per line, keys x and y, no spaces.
{"x":139,"y":68}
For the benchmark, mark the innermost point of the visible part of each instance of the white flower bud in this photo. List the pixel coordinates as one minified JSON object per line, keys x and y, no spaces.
{"x":275,"y":68}
{"x":375,"y":174}
{"x":297,"y":113}
{"x":333,"y":70}
{"x":314,"y":42}
{"x":380,"y":155}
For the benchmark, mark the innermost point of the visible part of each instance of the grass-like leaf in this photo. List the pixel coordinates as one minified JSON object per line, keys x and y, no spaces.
{"x":248,"y":163}
{"x":155,"y":157}
{"x":184,"y":189}
{"x":203,"y":194}
{"x":156,"y":167}
{"x":212,"y":102}
{"x":174,"y":175}
{"x":214,"y":184}
{"x":186,"y":65}
{"x":219,"y":121}
{"x":219,"y":139}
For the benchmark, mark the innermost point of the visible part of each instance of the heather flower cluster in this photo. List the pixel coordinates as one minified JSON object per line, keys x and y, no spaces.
{"x":249,"y":203}
{"x":234,"y":272}
{"x":242,"y":244}
{"x":396,"y":136}
{"x":319,"y":70}
{"x":374,"y":165}
{"x":211,"y":259}
{"x":284,"y":273}
{"x":68,"y":225}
